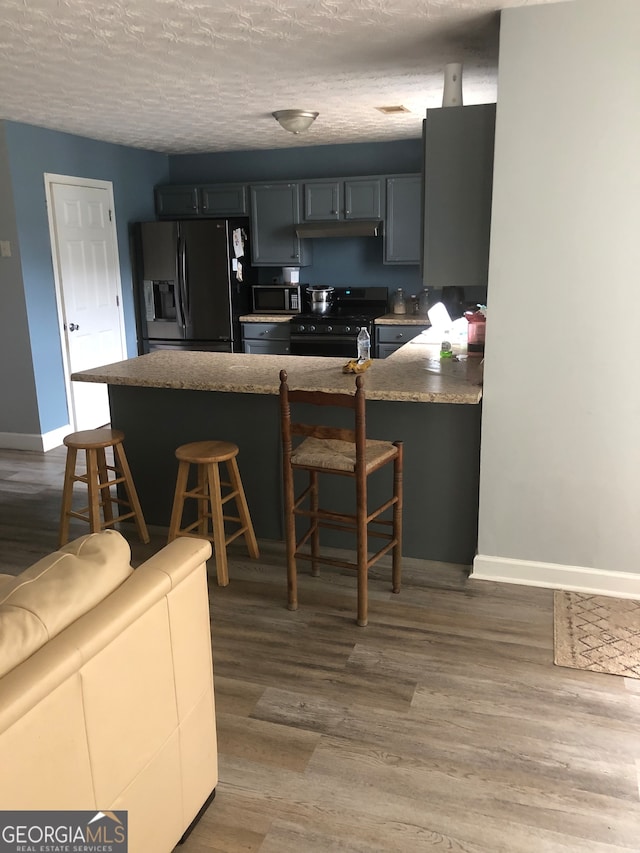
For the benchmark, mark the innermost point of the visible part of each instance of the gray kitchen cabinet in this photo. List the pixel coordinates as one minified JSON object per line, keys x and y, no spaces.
{"x":458,"y":174}
{"x":390,"y":338}
{"x":201,"y":200}
{"x":403,"y":220}
{"x":223,"y":199}
{"x":363,"y":198}
{"x":275,"y":211}
{"x":343,"y":198}
{"x":173,"y":200}
{"x":322,"y":200}
{"x":266,"y":338}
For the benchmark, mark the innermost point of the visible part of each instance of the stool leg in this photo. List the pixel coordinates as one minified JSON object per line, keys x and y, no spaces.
{"x":105,"y":491}
{"x":178,"y":500}
{"x":217,"y":522}
{"x":396,"y":564}
{"x":95,"y":524}
{"x":203,"y":502}
{"x":121,"y":463}
{"x":362,"y":547}
{"x":290,"y":535}
{"x":315,"y":530}
{"x":243,"y":509}
{"x":67,"y":496}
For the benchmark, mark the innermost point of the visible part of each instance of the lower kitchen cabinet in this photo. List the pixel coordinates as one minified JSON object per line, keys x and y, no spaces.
{"x":391,"y":338}
{"x":265,"y":338}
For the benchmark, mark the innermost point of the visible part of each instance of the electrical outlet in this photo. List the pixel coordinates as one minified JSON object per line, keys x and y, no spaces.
{"x":5,"y":249}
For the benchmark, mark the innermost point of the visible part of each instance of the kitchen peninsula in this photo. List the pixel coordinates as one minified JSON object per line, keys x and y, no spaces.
{"x":167,"y":398}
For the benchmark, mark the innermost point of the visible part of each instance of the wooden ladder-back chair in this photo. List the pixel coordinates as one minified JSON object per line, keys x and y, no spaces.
{"x":346,"y":452}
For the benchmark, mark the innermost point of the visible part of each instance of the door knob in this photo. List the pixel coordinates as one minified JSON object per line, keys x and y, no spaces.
{"x":73,"y":327}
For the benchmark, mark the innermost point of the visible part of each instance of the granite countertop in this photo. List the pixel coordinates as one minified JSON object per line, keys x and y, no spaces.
{"x":401,"y":320}
{"x":385,"y":320}
{"x":265,"y":318}
{"x":414,"y":373}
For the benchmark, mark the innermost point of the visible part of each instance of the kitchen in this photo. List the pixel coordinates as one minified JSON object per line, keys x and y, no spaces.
{"x":544,"y":132}
{"x":318,"y":225}
{"x":448,"y":459}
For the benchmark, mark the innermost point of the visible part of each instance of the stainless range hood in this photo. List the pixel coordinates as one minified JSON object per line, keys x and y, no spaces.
{"x":348,"y":228}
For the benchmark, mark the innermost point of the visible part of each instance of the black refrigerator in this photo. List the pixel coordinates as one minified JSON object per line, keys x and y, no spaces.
{"x":192,"y":283}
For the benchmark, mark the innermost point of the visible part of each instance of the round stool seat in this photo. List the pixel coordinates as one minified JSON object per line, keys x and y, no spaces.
{"x":88,"y":438}
{"x":206,"y":457}
{"x":202,"y":452}
{"x":100,"y":477}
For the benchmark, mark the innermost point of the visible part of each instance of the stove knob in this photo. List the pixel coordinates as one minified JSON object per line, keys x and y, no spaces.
{"x":347,"y":329}
{"x":299,"y":328}
{"x":311,"y":329}
{"x":329,"y":328}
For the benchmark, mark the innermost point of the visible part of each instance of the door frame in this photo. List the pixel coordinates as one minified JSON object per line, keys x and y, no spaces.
{"x":49,"y":180}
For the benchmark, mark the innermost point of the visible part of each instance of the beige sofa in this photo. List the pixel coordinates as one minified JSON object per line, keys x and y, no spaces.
{"x":106,"y":686}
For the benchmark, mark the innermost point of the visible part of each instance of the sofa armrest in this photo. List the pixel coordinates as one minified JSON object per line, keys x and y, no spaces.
{"x":178,"y":558}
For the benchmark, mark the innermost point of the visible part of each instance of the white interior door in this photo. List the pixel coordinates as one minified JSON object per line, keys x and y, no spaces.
{"x":86,"y":258}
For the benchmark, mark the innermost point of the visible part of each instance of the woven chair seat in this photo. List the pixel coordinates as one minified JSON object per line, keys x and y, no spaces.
{"x":332,"y":454}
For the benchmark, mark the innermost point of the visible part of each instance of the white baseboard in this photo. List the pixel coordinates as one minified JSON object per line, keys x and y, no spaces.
{"x":556,"y":576}
{"x":26,"y":441}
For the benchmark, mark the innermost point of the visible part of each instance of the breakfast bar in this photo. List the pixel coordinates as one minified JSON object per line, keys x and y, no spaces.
{"x":168,"y":398}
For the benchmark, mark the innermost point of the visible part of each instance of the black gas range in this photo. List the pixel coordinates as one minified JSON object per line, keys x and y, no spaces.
{"x":334,"y":332}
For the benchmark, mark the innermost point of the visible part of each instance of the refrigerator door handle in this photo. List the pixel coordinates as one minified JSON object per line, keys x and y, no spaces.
{"x":179,"y":295}
{"x":186,"y":302}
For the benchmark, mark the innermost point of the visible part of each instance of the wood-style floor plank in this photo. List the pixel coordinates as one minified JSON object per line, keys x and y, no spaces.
{"x":443,"y":725}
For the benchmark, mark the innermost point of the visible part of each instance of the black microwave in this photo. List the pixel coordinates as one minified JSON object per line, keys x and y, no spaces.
{"x":276,"y":298}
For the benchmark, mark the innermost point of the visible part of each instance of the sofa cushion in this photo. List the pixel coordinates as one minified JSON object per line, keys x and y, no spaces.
{"x":48,"y":596}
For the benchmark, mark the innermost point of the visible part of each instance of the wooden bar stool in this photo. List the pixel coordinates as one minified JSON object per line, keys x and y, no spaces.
{"x":94,"y":442}
{"x":207,"y":456}
{"x":346,"y":452}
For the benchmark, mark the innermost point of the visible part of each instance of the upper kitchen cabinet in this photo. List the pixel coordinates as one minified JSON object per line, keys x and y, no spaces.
{"x":343,"y":198}
{"x":213,"y":200}
{"x":458,"y":175}
{"x":322,"y":200}
{"x":275,"y":211}
{"x":173,"y":200}
{"x":363,"y":198}
{"x":403,"y":220}
{"x":223,"y":199}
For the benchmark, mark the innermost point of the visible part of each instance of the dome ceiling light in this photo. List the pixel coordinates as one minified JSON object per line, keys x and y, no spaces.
{"x":295,"y":121}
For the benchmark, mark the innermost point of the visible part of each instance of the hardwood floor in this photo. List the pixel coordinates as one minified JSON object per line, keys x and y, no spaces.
{"x":442,"y":725}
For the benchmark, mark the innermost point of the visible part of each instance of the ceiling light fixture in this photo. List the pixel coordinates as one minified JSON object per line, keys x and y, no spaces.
{"x":295,"y":121}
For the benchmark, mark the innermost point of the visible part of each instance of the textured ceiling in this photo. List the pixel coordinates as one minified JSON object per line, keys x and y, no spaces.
{"x":205,"y":75}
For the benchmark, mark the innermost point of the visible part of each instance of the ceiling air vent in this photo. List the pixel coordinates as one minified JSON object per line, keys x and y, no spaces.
{"x":389,"y":111}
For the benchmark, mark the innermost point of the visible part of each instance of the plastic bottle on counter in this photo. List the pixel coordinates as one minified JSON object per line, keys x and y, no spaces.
{"x":424,"y":302}
{"x":398,"y":303}
{"x":446,"y":351}
{"x":364,"y":345}
{"x":476,"y":330}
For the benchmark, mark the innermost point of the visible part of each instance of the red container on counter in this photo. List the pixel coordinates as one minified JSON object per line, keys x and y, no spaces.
{"x":476,"y":332}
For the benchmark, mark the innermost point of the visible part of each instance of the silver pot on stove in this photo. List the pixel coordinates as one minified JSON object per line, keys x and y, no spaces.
{"x":321,"y":297}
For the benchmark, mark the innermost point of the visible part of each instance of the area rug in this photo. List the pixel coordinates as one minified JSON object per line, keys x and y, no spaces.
{"x":597,"y":632}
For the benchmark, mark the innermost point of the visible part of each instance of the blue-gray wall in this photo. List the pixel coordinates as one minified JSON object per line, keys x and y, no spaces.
{"x":28,"y":153}
{"x":286,"y":164}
